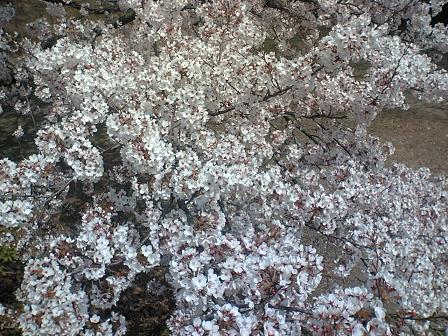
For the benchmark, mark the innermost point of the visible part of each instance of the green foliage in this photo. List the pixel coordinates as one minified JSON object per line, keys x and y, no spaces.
{"x":7,"y":254}
{"x":165,"y":332}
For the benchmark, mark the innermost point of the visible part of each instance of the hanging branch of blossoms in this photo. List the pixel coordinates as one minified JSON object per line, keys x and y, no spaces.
{"x":190,"y":145}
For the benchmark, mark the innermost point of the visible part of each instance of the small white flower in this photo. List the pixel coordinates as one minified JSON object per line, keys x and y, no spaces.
{"x":95,"y":319}
{"x":199,"y":281}
{"x":18,"y":133}
{"x":379,"y":313}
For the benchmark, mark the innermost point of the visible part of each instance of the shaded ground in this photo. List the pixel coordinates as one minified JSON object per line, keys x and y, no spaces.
{"x":11,"y":274}
{"x":147,"y":304}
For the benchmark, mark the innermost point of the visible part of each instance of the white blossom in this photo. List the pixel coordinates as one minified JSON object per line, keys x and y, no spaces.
{"x":244,"y":169}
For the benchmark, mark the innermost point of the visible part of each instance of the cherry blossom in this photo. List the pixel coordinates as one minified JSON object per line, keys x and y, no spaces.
{"x":228,"y":142}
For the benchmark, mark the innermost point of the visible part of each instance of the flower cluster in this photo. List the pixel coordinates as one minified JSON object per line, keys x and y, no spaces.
{"x":50,"y":305}
{"x":227,"y":141}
